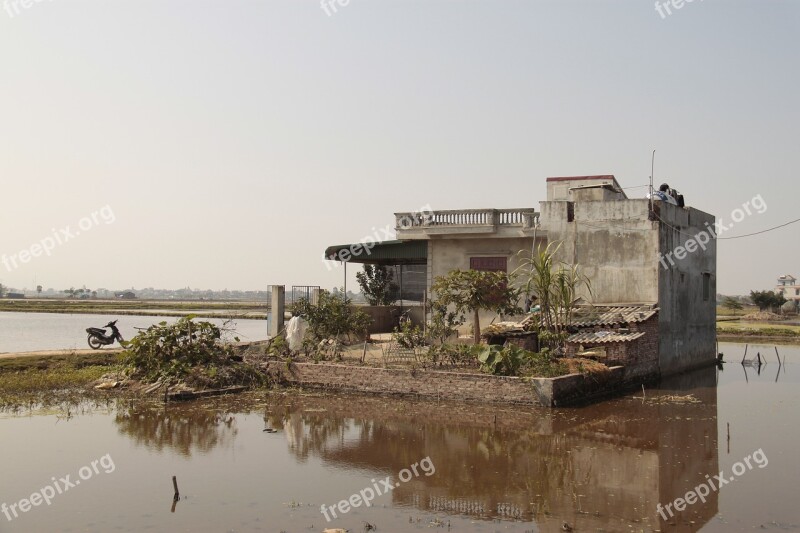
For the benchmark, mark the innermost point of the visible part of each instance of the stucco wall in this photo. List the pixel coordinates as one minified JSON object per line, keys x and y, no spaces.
{"x":687,"y":321}
{"x":613,"y":242}
{"x":445,"y":255}
{"x":618,"y":248}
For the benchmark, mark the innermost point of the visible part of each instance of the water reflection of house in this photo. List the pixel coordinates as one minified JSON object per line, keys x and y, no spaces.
{"x":637,"y":254}
{"x":601,"y":468}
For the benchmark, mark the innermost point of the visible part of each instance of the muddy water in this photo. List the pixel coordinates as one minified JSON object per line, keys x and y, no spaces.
{"x":603,"y":467}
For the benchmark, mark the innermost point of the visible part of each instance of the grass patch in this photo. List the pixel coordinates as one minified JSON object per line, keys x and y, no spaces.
{"x":758,"y":329}
{"x":58,"y":377}
{"x":44,"y":362}
{"x":46,"y":380}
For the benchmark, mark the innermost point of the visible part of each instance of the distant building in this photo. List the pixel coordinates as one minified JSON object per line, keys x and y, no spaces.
{"x":15,"y":295}
{"x":126,"y":295}
{"x":787,"y":285}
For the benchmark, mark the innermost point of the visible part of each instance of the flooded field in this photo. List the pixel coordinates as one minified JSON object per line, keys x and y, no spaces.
{"x":27,"y":332}
{"x":423,"y":466}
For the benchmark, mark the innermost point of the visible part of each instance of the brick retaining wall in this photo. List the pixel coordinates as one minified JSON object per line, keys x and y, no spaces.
{"x":451,"y":386}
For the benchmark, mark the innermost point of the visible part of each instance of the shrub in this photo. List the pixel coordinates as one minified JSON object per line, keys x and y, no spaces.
{"x":331,"y":316}
{"x":408,"y":335}
{"x":187,"y":351}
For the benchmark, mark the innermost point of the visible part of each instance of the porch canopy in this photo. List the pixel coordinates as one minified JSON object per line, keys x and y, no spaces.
{"x":408,"y":259}
{"x":386,"y":253}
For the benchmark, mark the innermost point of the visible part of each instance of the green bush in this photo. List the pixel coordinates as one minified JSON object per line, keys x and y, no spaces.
{"x":192,"y":352}
{"x":511,"y":360}
{"x":409,"y":336}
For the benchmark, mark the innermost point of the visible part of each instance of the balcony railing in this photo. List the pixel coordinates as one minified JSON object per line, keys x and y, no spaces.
{"x":525,"y":218}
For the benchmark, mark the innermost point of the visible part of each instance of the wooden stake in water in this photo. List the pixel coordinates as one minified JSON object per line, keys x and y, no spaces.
{"x":175,"y":486}
{"x":729,"y":437}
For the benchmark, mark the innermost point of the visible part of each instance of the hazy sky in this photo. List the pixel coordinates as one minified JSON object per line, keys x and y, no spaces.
{"x":234,"y":140}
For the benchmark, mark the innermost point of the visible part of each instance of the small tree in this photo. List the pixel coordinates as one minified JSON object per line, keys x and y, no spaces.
{"x":470,"y":291}
{"x":39,"y":290}
{"x":733,"y":304}
{"x":767,"y":299}
{"x":377,"y":285}
{"x":2,"y":290}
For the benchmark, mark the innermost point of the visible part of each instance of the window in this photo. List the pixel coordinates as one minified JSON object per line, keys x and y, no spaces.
{"x":489,"y":264}
{"x":797,"y":292}
{"x":706,"y":286}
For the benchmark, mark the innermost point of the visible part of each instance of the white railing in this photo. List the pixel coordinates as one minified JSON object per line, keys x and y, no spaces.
{"x":523,"y":217}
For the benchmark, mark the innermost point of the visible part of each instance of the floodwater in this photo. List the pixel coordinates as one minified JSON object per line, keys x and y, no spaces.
{"x":27,"y":332}
{"x":603,"y":467}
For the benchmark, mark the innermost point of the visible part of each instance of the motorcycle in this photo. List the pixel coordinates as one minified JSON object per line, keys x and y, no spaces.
{"x":98,"y":338}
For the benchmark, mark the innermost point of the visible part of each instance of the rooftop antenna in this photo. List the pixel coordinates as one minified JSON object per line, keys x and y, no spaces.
{"x":652,"y":166}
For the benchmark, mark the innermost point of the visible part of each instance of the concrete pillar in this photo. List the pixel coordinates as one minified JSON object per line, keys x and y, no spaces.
{"x":277,"y":307}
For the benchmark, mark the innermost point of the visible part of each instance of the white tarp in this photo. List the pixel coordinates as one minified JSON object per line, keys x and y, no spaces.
{"x":295,"y":332}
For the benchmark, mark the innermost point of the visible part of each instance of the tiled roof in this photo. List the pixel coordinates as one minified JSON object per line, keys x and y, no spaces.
{"x":606,"y":316}
{"x":603,"y":337}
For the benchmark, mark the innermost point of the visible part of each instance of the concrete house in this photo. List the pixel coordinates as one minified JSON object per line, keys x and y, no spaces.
{"x":652,"y":264}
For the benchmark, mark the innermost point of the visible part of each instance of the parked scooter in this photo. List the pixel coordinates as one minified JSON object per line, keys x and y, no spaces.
{"x":98,"y":338}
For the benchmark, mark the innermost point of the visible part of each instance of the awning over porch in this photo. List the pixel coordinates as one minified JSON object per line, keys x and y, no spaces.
{"x":387,"y":253}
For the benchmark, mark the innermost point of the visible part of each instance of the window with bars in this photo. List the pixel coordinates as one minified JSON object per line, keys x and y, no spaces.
{"x":489,"y":264}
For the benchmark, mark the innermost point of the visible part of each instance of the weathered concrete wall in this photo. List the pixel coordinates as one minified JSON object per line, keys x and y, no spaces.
{"x":445,"y":255}
{"x":558,"y":189}
{"x":687,"y":316}
{"x":577,"y":388}
{"x":613,"y":242}
{"x":624,"y":254}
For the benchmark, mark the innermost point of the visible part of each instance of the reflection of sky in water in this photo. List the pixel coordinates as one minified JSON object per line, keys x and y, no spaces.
{"x":599,"y":467}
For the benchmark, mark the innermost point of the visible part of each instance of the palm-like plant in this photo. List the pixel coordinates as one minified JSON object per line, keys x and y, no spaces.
{"x":553,"y":282}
